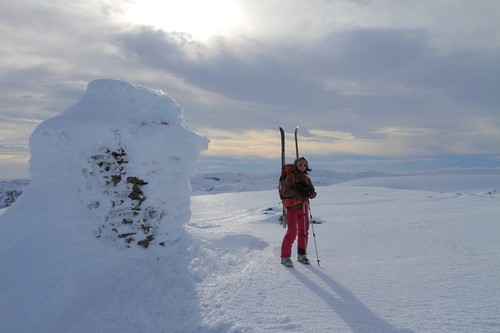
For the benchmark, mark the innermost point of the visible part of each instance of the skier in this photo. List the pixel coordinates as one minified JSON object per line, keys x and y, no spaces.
{"x":297,"y":190}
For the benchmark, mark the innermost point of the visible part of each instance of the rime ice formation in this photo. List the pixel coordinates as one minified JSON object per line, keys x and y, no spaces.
{"x":122,"y":157}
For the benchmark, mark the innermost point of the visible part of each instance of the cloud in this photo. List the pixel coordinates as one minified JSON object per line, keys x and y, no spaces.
{"x":362,"y":78}
{"x":466,"y":77}
{"x":391,"y":71}
{"x":244,"y":71}
{"x":367,"y":52}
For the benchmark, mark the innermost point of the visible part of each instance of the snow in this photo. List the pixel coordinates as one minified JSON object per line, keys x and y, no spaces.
{"x":112,"y":156}
{"x":392,"y":260}
{"x":397,"y":254}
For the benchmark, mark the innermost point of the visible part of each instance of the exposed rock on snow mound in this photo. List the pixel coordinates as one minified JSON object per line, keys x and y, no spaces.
{"x":121,"y":156}
{"x":10,"y":190}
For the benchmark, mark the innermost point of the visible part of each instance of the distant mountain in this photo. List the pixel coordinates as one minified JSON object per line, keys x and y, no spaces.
{"x":227,"y":182}
{"x":216,"y":182}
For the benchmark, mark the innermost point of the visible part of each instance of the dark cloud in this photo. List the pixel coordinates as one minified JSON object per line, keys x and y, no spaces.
{"x":279,"y":75}
{"x":367,"y":52}
{"x":400,"y":81}
{"x":470,"y":77}
{"x":259,"y":76}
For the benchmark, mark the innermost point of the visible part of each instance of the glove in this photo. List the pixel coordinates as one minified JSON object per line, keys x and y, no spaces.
{"x":304,"y":189}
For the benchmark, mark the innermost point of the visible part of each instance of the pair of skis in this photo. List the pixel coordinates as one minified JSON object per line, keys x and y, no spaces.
{"x":283,"y":162}
{"x":282,"y":132}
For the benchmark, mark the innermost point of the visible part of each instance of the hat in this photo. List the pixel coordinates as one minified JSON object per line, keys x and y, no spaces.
{"x":302,"y":160}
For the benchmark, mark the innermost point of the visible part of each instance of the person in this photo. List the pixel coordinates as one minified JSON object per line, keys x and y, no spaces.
{"x":297,"y":190}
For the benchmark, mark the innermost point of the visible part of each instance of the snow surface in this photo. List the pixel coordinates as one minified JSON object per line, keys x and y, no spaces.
{"x":397,"y":254}
{"x":392,"y":260}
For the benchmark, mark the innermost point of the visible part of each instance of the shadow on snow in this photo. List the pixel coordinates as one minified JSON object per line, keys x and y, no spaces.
{"x":347,"y":306}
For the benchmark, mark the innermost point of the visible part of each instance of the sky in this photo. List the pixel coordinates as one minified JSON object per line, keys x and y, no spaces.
{"x":374,"y":85}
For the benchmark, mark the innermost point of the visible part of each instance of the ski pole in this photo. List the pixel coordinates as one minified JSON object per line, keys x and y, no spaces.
{"x":314,"y":236}
{"x":310,"y":214}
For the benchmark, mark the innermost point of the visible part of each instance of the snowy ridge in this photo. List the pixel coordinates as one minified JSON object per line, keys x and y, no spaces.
{"x":437,"y":183}
{"x":211,"y":183}
{"x":226,"y":182}
{"x":223,"y":182}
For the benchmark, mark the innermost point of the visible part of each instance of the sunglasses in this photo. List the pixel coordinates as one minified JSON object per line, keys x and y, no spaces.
{"x":302,"y":165}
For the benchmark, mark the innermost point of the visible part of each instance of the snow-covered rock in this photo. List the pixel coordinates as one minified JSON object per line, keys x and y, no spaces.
{"x":121,"y":157}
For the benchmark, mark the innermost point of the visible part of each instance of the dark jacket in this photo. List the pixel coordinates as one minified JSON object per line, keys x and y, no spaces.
{"x":292,"y":188}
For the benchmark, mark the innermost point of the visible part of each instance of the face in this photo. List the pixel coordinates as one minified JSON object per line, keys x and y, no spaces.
{"x":302,"y":167}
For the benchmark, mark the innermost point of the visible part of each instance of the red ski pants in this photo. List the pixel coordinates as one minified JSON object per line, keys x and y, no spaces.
{"x":298,"y":227}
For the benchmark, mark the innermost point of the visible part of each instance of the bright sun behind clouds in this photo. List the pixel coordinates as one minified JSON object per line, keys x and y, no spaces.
{"x":201,"y":18}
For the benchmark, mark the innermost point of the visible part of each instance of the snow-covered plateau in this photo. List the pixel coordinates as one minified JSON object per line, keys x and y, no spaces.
{"x":392,"y":259}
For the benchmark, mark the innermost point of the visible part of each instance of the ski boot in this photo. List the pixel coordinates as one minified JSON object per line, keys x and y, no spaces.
{"x":303,"y":259}
{"x":287,"y":262}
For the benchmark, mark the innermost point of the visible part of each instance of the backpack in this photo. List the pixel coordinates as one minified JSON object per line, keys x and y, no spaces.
{"x":287,"y":170}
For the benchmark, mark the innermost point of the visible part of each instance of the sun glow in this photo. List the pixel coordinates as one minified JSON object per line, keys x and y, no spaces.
{"x":199,"y":18}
